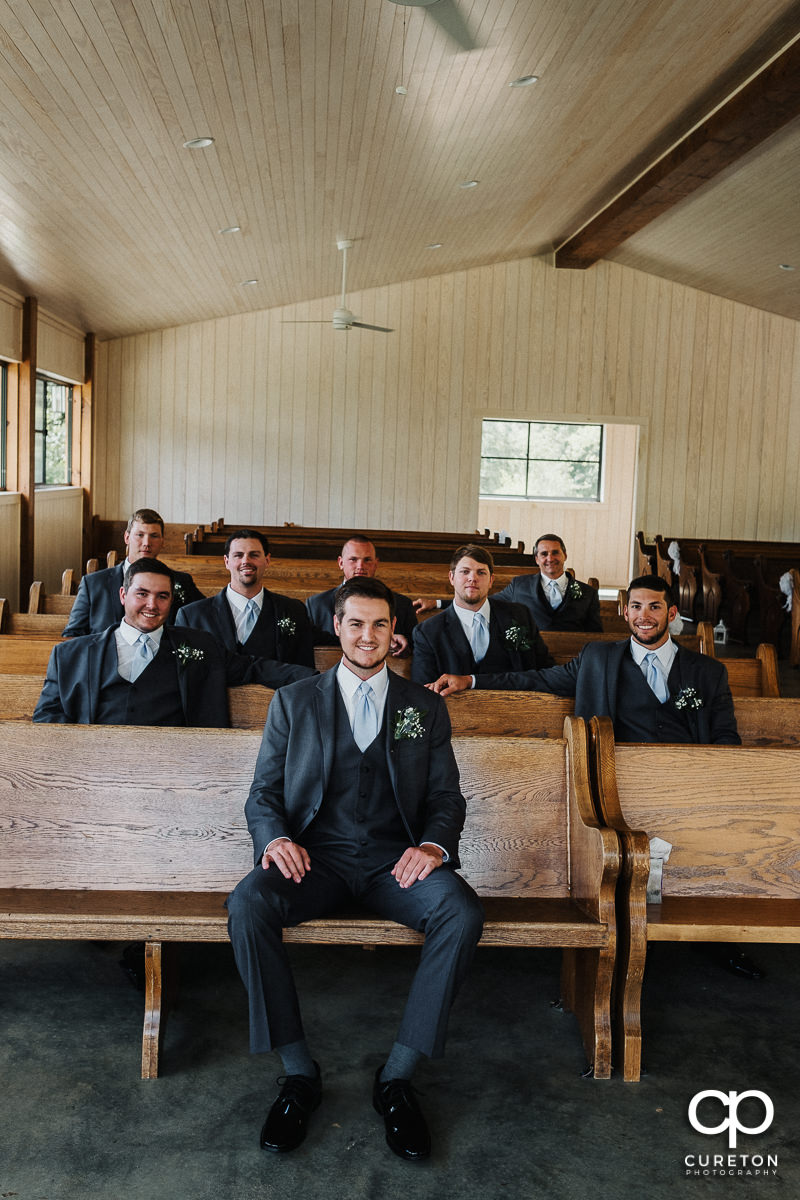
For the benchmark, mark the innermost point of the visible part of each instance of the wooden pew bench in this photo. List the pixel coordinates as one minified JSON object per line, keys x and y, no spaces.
{"x":89,"y":849}
{"x":732,"y":816}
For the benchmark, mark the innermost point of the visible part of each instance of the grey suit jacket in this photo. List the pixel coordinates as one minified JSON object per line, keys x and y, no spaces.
{"x":97,"y":604}
{"x":71,"y":691}
{"x":296,"y":758}
{"x":441,"y":646}
{"x":578,"y":612}
{"x":593,"y":678}
{"x":268,"y":640}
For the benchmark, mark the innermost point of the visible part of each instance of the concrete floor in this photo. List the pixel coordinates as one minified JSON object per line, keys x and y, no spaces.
{"x":510,"y":1115}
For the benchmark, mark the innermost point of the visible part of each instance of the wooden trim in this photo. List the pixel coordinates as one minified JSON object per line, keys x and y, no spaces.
{"x":748,"y":118}
{"x":26,"y":466}
{"x":86,"y":466}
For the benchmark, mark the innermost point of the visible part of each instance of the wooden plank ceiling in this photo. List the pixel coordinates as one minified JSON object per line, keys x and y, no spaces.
{"x":115,"y":226}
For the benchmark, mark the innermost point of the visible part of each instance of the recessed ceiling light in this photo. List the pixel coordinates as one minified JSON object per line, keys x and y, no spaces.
{"x":468,"y":183}
{"x":434,"y":246}
{"x":198,"y":143}
{"x":524,"y":81}
{"x":231,"y":229}
{"x":785,"y":267}
{"x":248,"y":282}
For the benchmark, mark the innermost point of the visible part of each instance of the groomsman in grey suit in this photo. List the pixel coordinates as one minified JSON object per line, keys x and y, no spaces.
{"x":143,"y":671}
{"x":555,"y":599}
{"x":359,"y":558}
{"x":355,"y":796}
{"x":652,"y":689}
{"x":97,"y":604}
{"x":477,"y":630}
{"x":244,"y":616}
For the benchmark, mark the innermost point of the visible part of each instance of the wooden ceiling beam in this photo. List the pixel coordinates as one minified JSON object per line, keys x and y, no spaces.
{"x":762,"y":107}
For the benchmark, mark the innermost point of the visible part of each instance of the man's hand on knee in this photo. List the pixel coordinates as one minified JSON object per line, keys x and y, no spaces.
{"x":417,"y":863}
{"x":291,"y":860}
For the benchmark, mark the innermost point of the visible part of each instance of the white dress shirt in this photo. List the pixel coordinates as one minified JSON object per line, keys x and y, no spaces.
{"x":127,"y":637}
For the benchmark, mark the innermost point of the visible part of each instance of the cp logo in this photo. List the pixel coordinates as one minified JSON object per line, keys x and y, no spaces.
{"x":731,"y":1101}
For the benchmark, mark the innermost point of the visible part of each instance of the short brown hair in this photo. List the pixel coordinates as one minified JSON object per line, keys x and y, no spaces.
{"x":548,"y":537}
{"x":147,"y":566}
{"x":147,"y":516}
{"x":651,"y":583}
{"x":362,"y":585}
{"x":479,"y":553}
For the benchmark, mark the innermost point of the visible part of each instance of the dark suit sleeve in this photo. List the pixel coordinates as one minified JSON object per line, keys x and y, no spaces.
{"x":538,"y":656}
{"x":319,"y":616}
{"x":406,"y":617}
{"x":425,"y":661}
{"x":721,"y":715}
{"x":559,"y":681}
{"x":446,"y":807}
{"x":593,"y":622}
{"x":49,"y":709}
{"x":243,"y":668}
{"x":265,"y":809}
{"x":303,"y":649}
{"x":78,"y":622}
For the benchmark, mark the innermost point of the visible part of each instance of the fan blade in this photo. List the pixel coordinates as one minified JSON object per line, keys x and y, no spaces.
{"x":305,"y":322}
{"x":377,"y":328}
{"x":447,"y":17}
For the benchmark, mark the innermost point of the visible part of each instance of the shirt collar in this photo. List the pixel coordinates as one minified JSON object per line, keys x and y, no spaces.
{"x":349,"y":682}
{"x":665,"y":654}
{"x":131,"y":635}
{"x":240,"y":602}
{"x":467,"y":615}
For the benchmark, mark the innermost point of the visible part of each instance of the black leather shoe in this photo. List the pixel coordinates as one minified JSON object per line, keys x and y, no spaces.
{"x":287,"y":1120}
{"x":743,"y":966}
{"x":406,"y":1131}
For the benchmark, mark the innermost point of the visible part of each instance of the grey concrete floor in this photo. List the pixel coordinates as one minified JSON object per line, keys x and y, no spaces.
{"x":510,"y":1115}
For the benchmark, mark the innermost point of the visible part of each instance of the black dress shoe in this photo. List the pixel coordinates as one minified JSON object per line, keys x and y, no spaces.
{"x":742,"y":965}
{"x":406,"y":1131}
{"x":287,"y":1120}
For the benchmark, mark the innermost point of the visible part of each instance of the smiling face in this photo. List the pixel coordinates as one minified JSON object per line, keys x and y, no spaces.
{"x":358,"y":558}
{"x":147,"y":601}
{"x":551,"y":558}
{"x":471,"y":581}
{"x":648,"y":615}
{"x":143,"y":541}
{"x":365,"y":632}
{"x":247,"y":564}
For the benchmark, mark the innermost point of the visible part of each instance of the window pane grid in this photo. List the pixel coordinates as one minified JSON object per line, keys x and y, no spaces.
{"x":560,"y":462}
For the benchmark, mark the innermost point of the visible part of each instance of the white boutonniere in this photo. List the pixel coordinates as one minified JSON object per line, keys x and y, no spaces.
{"x":186,"y":654}
{"x":287,"y":627}
{"x":179,"y":593}
{"x":519,"y":637}
{"x":688,"y":698}
{"x":575,"y":590}
{"x":408,"y":724}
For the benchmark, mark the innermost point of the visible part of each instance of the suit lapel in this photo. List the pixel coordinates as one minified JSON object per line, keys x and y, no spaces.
{"x":616,"y":655}
{"x":457,"y":636}
{"x":98,"y":648}
{"x":223,"y":619}
{"x":325,"y":695}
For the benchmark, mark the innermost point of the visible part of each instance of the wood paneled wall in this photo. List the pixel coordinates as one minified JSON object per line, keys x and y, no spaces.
{"x":10,"y":506}
{"x":257,"y":419}
{"x":597,"y":536}
{"x":57,"y":518}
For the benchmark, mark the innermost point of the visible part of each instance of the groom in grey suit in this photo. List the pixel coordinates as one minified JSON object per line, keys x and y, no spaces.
{"x":355,"y":795}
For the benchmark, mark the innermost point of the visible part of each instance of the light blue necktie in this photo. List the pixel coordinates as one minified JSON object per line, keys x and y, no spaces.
{"x":480,"y":637}
{"x":250,"y":618}
{"x":143,"y":656}
{"x":655,"y":676}
{"x":365,"y":720}
{"x":554,"y":593}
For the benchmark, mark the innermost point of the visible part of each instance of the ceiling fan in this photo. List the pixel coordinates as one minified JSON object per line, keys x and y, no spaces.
{"x":342,"y":316}
{"x":447,"y":17}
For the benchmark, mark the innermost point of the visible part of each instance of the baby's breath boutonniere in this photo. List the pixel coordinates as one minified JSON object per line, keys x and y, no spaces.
{"x":519,"y":638}
{"x":186,"y":654}
{"x":287,"y":627}
{"x":575,"y":590}
{"x":688,"y":698}
{"x":408,"y":723}
{"x":179,"y":593}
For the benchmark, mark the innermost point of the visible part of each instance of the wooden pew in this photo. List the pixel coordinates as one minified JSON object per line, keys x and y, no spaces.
{"x":90,"y":849}
{"x":754,"y":676}
{"x":30,"y":625}
{"x":326,"y":657}
{"x":24,"y":655}
{"x":732,"y":816}
{"x":564,"y":646}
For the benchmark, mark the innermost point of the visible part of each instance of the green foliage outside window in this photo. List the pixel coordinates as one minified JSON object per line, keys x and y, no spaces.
{"x":542,"y":460}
